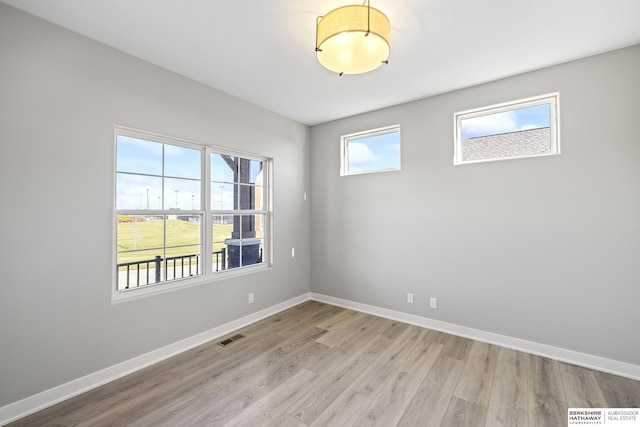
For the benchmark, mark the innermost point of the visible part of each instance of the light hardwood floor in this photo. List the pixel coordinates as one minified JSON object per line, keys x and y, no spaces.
{"x":321,"y":365}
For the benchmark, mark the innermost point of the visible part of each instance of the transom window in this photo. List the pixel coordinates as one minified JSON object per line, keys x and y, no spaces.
{"x":375,"y":150}
{"x":524,"y":128}
{"x":174,"y":199}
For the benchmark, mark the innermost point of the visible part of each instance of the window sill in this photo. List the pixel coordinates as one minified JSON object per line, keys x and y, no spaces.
{"x":166,"y":287}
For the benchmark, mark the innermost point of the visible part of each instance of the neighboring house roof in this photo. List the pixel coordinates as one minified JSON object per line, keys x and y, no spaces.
{"x":512,"y":144}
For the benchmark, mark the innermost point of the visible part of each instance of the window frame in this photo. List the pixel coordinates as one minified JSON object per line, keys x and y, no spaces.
{"x":205,"y":212}
{"x":344,"y":149}
{"x":553,"y":99}
{"x":241,"y":211}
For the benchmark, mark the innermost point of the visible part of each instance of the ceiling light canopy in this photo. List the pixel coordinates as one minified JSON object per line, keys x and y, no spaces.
{"x":353,"y":39}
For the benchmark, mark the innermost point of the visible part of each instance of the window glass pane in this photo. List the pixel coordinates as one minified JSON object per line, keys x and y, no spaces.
{"x":523,"y":128}
{"x":515,"y":120}
{"x":138,"y":156}
{"x":182,"y":230}
{"x":182,"y":162}
{"x":138,"y":191}
{"x":514,"y":133}
{"x":139,"y":268}
{"x":181,"y":194}
{"x":255,"y":172}
{"x":251,"y":252}
{"x":253,"y":242}
{"x":222,"y":197}
{"x":182,"y":262}
{"x":258,"y":193}
{"x":244,"y":170}
{"x":371,"y":151}
{"x":222,"y":231}
{"x":240,"y":238}
{"x":223,"y":167}
{"x":247,"y":197}
{"x":260,"y":221}
{"x":139,"y":241}
{"x":141,"y":258}
{"x":139,"y":232}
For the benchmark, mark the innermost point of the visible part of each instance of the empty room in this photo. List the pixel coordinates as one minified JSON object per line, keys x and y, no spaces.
{"x":319,"y":213}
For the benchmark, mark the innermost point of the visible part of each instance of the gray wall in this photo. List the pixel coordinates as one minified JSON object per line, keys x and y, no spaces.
{"x":60,"y":96}
{"x":542,"y":249}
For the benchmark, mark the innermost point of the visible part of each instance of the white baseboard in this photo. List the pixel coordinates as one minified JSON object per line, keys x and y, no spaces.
{"x":31,"y":404}
{"x":576,"y":358}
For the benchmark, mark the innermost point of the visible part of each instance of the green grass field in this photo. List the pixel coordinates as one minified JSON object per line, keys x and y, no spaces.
{"x":146,"y":238}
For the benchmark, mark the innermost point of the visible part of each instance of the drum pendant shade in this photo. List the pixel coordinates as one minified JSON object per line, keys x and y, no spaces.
{"x":353,"y":39}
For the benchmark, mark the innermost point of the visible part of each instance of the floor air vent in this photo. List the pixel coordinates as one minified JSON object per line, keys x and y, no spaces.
{"x":228,"y":341}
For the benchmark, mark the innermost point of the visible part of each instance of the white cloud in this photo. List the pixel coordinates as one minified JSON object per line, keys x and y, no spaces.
{"x":492,"y":124}
{"x":360,"y":153}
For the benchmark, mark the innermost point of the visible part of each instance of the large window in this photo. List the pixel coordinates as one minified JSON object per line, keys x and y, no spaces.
{"x":375,"y":150}
{"x":524,"y":128}
{"x":185,"y":211}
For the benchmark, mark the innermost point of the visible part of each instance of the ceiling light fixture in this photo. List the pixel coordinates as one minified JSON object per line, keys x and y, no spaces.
{"x":353,"y":39}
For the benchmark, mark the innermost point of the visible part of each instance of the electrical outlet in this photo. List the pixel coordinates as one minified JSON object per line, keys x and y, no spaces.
{"x":433,"y":302}
{"x":251,"y":298}
{"x":410,"y":298}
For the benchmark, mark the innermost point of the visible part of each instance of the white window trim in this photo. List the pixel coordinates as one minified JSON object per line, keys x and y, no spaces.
{"x":344,"y":152}
{"x":207,"y":223}
{"x":554,"y":124}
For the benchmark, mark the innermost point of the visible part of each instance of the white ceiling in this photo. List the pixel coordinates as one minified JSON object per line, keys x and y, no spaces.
{"x":263,"y":50}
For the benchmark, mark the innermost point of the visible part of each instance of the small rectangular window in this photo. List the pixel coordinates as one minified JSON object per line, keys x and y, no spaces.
{"x":376,"y":150}
{"x":517,"y":129}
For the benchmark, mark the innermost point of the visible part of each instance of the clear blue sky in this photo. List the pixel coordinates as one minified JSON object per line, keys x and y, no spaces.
{"x":146,"y":163}
{"x":374,"y":152}
{"x":145,"y":191}
{"x":508,"y":121}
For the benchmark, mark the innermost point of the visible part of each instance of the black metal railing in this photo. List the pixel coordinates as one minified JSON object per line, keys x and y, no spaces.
{"x":156,"y":261}
{"x":172,"y":265}
{"x":220,"y":258}
{"x":174,"y":260}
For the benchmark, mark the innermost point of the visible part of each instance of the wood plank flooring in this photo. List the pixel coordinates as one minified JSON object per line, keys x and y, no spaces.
{"x":321,"y":365}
